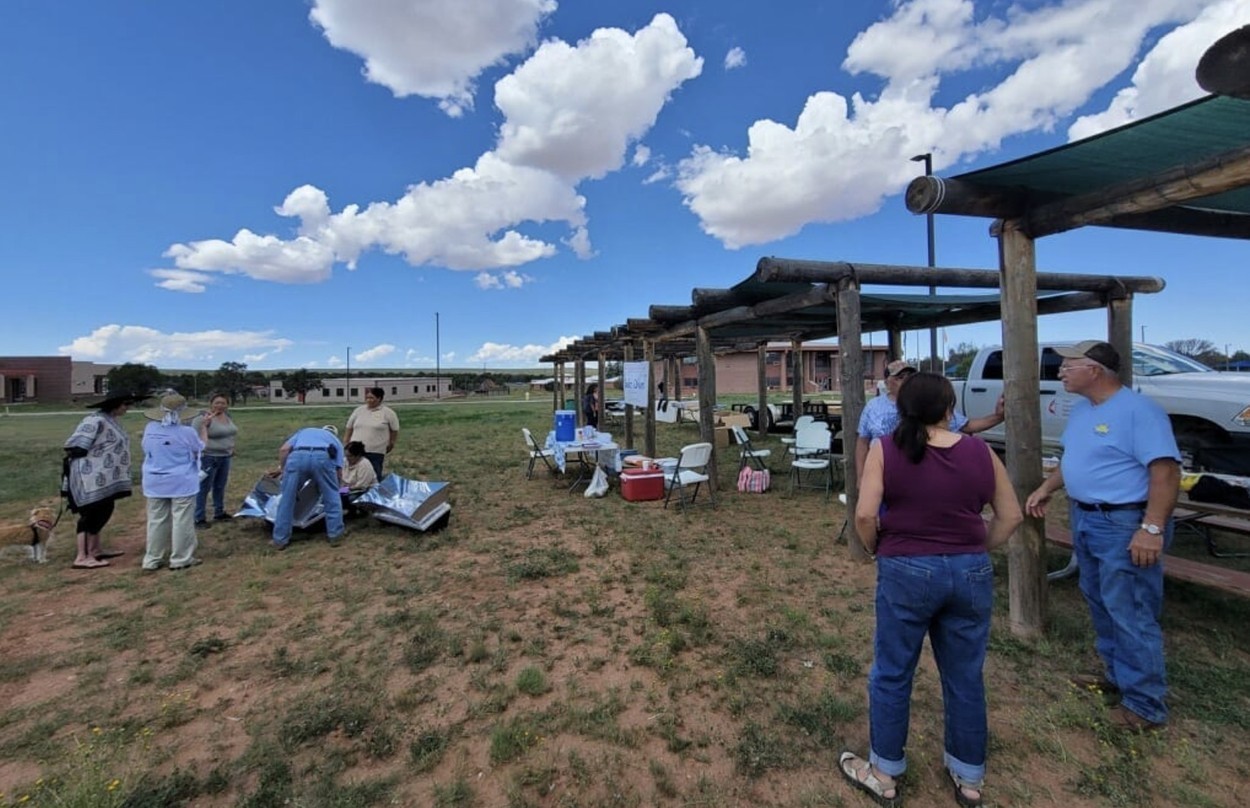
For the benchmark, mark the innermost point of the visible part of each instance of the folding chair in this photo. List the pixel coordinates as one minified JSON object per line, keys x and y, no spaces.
{"x":690,"y":470}
{"x":802,"y":421}
{"x":750,"y":454}
{"x":811,"y":454}
{"x":536,"y":453}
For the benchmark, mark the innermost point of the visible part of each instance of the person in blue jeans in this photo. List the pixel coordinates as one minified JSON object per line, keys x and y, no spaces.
{"x":934,"y":577}
{"x":215,"y":461}
{"x":310,"y":454}
{"x":1121,"y":468}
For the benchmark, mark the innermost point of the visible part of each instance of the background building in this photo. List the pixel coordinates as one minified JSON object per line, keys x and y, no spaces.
{"x":738,"y":372}
{"x":397,"y":388}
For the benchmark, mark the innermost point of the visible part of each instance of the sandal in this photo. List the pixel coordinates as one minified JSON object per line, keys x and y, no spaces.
{"x":962,"y":787}
{"x":863,"y":778}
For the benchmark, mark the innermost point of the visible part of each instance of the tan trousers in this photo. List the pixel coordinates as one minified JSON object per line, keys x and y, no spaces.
{"x":171,"y":521}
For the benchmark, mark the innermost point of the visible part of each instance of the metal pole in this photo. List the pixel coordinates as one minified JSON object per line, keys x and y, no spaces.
{"x":348,"y":377}
{"x":438,"y":382}
{"x":1143,"y":333}
{"x":927,"y":159}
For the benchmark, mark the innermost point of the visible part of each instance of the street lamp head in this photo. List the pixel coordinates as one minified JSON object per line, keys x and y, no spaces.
{"x":920,"y":158}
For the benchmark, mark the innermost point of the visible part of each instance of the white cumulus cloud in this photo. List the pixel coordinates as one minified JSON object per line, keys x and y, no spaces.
{"x":375,"y":353}
{"x":841,"y":157}
{"x":136,"y":343}
{"x":641,"y":155}
{"x":501,"y":280}
{"x":735,"y":58}
{"x":494,"y":353}
{"x":431,"y":48}
{"x":571,"y":113}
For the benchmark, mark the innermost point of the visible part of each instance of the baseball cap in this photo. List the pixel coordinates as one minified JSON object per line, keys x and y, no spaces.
{"x":1097,"y":350}
{"x":898,"y":366}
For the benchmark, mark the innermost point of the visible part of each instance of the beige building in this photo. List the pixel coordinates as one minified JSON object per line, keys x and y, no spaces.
{"x":339,"y":391}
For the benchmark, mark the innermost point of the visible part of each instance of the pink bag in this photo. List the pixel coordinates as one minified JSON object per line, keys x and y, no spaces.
{"x":754,"y":481}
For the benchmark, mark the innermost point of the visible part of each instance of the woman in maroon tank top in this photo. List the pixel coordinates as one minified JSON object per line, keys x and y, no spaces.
{"x":919,"y":512}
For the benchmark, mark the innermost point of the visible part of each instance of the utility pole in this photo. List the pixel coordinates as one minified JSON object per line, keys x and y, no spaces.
{"x":438,"y":371}
{"x":348,"y":378}
{"x":927,"y":159}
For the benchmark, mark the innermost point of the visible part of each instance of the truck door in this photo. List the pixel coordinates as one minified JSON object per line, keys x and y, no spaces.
{"x":982,"y":390}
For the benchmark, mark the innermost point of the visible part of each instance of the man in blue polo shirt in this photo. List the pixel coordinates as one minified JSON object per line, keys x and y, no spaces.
{"x":1121,"y":469}
{"x":310,"y":454}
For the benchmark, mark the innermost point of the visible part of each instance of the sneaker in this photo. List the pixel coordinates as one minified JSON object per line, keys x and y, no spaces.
{"x":335,"y":541}
{"x":203,"y":523}
{"x":222,"y":517}
{"x":195,"y":562}
{"x":277,"y":546}
{"x":155,"y":568}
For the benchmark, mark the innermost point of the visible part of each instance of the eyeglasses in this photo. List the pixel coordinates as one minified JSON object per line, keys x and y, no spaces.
{"x":1066,"y":367}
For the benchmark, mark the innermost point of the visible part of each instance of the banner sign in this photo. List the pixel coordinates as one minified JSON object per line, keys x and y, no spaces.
{"x":634,"y":379}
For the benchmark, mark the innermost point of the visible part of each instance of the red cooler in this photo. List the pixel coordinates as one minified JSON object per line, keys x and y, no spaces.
{"x":640,"y":485}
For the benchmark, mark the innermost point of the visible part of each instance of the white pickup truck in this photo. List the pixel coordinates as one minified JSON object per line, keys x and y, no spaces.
{"x":1210,"y":410}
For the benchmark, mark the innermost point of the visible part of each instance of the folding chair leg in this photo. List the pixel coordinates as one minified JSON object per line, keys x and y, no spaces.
{"x":529,"y":472}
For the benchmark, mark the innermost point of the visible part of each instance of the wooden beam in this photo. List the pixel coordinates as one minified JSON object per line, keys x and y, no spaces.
{"x":1026,"y":552}
{"x":761,"y":385}
{"x":648,"y":355}
{"x":603,"y":388}
{"x":796,"y":376}
{"x":788,"y":270}
{"x":1227,"y":171}
{"x":629,"y":408}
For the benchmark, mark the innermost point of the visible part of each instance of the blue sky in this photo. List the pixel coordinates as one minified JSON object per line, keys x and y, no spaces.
{"x":274,"y":182}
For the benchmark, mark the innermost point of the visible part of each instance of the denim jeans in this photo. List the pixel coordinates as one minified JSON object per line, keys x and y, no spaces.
{"x":318,"y":467}
{"x":1124,"y":602}
{"x":948,"y":597}
{"x":375,"y":459}
{"x":217,"y":469}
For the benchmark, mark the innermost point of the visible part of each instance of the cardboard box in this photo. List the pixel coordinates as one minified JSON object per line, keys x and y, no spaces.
{"x":638,"y":485}
{"x":722,"y":437}
{"x":733,"y":419}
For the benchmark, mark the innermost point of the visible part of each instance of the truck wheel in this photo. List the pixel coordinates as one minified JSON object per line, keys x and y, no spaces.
{"x":1192,"y":438}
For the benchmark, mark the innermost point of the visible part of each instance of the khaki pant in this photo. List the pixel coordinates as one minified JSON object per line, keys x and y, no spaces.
{"x":171,"y":521}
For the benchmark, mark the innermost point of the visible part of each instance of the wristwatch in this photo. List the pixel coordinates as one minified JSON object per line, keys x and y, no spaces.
{"x":1153,"y":530}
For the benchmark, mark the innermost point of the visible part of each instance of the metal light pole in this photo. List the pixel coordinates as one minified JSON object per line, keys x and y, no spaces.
{"x":1227,"y":358}
{"x":438,"y":371}
{"x":1143,"y":334}
{"x":348,"y":378}
{"x":927,"y":159}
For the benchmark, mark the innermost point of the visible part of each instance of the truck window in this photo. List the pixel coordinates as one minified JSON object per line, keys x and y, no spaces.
{"x":1050,"y":365}
{"x":993,"y":368}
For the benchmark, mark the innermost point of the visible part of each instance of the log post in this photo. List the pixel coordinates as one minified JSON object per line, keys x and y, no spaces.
{"x":629,"y":408}
{"x":579,"y":388}
{"x":761,"y":371}
{"x":1120,"y":334}
{"x":707,"y":398}
{"x":603,"y":388}
{"x":648,"y":354}
{"x":796,"y":377}
{"x":851,"y":350}
{"x":557,"y":385}
{"x":1026,"y":551}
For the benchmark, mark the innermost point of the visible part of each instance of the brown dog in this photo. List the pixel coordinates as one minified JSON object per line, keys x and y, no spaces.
{"x":34,"y":536}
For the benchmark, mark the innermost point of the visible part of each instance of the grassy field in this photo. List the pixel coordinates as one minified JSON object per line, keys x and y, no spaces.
{"x":541,"y":650}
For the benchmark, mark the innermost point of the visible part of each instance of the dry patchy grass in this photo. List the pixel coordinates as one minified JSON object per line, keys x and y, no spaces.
{"x":541,"y":650}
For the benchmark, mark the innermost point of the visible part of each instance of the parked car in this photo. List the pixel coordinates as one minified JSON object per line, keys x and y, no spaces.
{"x":1210,"y":410}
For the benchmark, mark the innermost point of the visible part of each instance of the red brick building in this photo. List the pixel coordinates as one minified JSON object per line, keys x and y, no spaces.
{"x":35,"y":378}
{"x":738,"y":372}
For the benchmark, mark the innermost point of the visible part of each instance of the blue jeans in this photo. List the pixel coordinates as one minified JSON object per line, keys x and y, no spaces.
{"x":948,"y":597}
{"x":318,"y":467}
{"x":217,"y":467}
{"x":1124,"y":602}
{"x":375,"y":459}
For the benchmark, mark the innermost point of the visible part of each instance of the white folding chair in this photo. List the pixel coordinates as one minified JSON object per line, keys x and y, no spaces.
{"x":811,"y":455}
{"x":690,"y":470}
{"x":536,"y":453}
{"x":803,"y":421}
{"x":750,"y":454}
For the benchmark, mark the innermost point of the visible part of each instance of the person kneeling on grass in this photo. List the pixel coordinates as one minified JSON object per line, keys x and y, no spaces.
{"x":316,"y":455}
{"x":358,"y":477}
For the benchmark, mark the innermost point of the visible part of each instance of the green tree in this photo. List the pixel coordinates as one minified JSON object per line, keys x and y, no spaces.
{"x":299,"y":383}
{"x":959,"y":359}
{"x":135,"y":377}
{"x":231,"y":380}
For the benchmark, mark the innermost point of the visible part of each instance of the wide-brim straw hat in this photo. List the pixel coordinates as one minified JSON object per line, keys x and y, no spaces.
{"x":117,"y":399}
{"x":170,"y":402}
